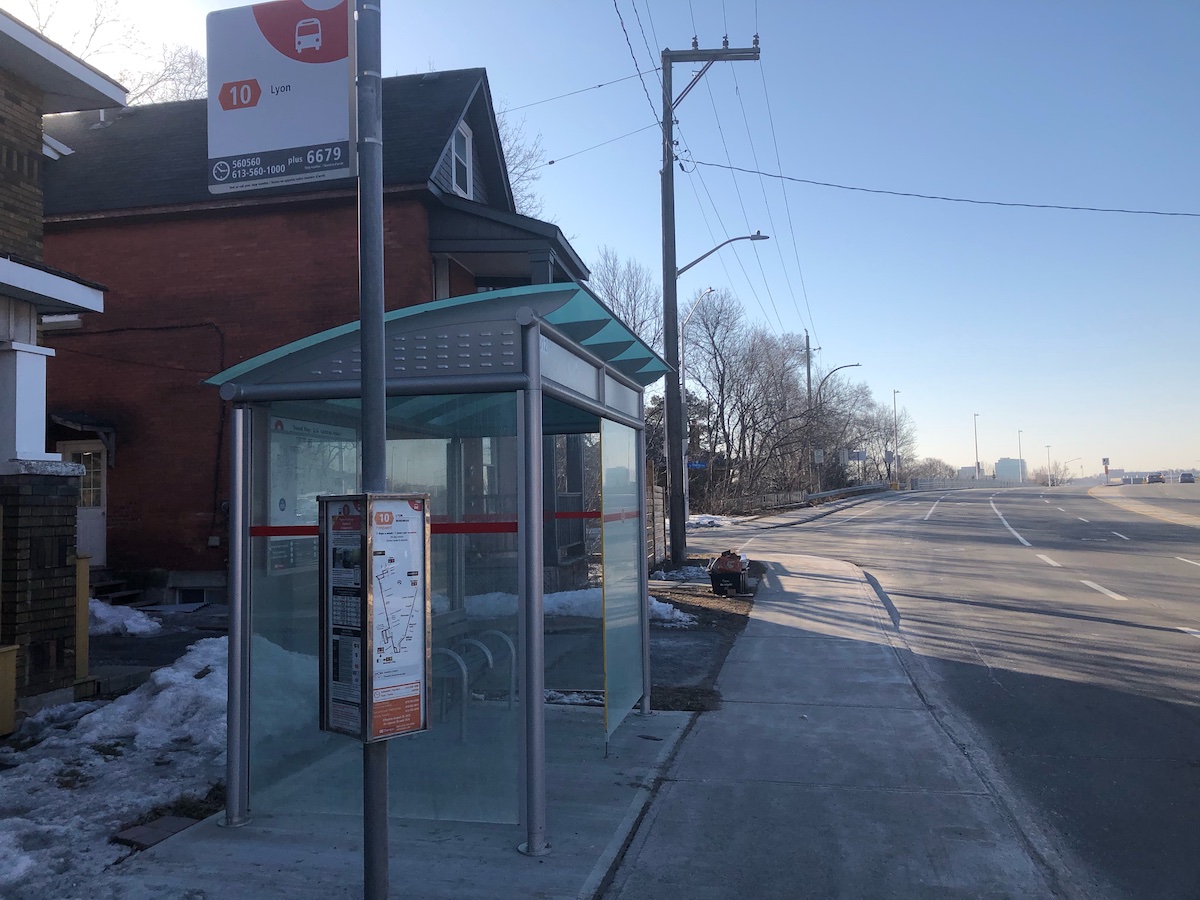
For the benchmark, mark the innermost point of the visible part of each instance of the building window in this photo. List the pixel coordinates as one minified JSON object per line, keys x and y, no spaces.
{"x":462,"y":161}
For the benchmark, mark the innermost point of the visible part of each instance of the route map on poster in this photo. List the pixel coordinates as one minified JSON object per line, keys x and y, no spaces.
{"x":399,"y":611}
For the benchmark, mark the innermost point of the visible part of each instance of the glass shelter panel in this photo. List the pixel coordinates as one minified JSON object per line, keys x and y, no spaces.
{"x":461,"y":450}
{"x":624,"y":570}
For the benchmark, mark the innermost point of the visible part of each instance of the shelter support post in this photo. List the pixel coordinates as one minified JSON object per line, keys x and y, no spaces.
{"x":643,"y":574}
{"x":237,"y":755}
{"x":530,"y":577}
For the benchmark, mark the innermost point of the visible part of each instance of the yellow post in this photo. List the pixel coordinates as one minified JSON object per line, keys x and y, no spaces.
{"x":84,"y":685}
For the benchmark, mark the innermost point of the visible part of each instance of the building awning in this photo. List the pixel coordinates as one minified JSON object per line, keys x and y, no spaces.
{"x":68,"y":84}
{"x":49,"y":291}
{"x":106,"y":432}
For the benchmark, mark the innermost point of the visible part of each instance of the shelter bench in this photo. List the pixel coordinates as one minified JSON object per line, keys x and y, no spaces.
{"x":463,"y":655}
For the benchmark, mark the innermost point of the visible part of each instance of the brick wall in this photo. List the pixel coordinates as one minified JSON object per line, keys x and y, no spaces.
{"x":37,"y":595}
{"x":207,"y":291}
{"x":20,"y":167}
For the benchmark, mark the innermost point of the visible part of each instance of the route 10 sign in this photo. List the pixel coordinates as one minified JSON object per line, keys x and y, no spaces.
{"x":281,"y":97}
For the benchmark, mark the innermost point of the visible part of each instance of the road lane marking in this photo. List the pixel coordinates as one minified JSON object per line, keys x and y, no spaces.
{"x":932,"y":508}
{"x":1044,"y":500}
{"x":1060,"y":509}
{"x":1121,"y":536}
{"x":1009,"y":527}
{"x":1192,"y":562}
{"x":1044,"y":558}
{"x":1082,"y":519}
{"x":1192,"y":631}
{"x":1104,"y":590}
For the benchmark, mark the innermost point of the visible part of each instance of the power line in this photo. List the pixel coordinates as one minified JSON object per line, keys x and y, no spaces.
{"x":594,"y":87}
{"x":602,"y":144}
{"x":767,"y":204}
{"x":849,"y":187}
{"x":637,"y":68}
{"x":783,"y":190}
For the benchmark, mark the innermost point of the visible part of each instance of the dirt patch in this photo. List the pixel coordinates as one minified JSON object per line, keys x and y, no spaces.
{"x":685,"y":662}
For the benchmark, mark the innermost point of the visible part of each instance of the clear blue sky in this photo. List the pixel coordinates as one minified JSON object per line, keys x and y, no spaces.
{"x":1077,"y":328}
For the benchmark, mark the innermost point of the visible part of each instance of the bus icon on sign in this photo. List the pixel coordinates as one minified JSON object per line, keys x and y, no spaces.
{"x":308,"y":35}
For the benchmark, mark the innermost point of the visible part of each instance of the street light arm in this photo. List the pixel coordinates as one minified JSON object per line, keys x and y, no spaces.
{"x":688,"y":317}
{"x":827,"y":377}
{"x":757,"y":236}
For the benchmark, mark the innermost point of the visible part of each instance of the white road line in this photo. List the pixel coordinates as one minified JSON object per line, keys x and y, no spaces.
{"x":1121,"y":536}
{"x":1009,"y":527}
{"x":1192,"y":562}
{"x":1103,"y":590}
{"x":1060,"y":509}
{"x":932,"y":508}
{"x":1044,"y":558}
{"x":1044,"y":500}
{"x":1082,"y":519}
{"x":1192,"y":631}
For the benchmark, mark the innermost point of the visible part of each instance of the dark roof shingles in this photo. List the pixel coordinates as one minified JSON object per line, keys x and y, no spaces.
{"x":157,"y":155}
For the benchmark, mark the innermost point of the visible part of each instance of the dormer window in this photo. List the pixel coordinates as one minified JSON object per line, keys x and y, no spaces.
{"x":462,"y":161}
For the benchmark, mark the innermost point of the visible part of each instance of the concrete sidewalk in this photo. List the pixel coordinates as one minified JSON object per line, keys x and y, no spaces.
{"x":824,"y":774}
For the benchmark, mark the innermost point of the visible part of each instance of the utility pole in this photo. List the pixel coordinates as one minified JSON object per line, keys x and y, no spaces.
{"x":673,"y":408}
{"x":808,"y":364}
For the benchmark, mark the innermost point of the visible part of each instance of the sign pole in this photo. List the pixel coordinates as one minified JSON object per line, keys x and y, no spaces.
{"x":374,"y":404}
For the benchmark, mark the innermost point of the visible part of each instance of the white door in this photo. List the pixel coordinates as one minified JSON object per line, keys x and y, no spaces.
{"x":93,"y":497}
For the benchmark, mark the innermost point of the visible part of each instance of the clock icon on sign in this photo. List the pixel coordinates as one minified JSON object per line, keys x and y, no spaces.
{"x":221,"y":171}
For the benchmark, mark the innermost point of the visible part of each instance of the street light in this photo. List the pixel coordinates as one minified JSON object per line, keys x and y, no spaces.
{"x":1020,"y":461}
{"x":896,"y":436}
{"x":828,"y":375}
{"x":976,"y":420}
{"x":757,"y":236}
{"x":1049,"y":476}
{"x":687,"y":477}
{"x":672,"y":407}
{"x":1069,"y":461}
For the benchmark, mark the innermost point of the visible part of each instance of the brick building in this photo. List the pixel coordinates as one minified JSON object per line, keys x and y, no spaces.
{"x":39,"y":493}
{"x":220,"y":279}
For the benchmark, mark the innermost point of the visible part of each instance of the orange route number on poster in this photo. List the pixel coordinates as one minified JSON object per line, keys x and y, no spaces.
{"x":240,"y":94}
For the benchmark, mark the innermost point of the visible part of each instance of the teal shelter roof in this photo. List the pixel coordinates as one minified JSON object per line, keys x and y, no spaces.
{"x":475,"y":335}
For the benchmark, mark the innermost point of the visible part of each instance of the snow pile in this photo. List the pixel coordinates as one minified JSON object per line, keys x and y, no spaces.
{"x":695,"y":522}
{"x":103,"y":618}
{"x":586,"y":603}
{"x":575,"y":698}
{"x":668,"y":616}
{"x":685,"y":573}
{"x":88,"y":768}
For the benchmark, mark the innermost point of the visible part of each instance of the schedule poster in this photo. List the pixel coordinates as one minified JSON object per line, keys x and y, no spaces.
{"x":375,"y":655}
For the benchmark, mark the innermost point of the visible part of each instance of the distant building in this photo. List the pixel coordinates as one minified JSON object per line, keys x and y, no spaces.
{"x":966,"y":472}
{"x":1011,"y":469}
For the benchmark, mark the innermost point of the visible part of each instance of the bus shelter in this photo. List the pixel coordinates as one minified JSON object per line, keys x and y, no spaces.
{"x":520,"y":413}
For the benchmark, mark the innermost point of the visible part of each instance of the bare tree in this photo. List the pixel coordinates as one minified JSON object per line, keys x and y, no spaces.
{"x":524,"y":158}
{"x":630,"y":291}
{"x":98,"y":31}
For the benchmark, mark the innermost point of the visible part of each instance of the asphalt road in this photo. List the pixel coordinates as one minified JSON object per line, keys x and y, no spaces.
{"x":1065,"y":629}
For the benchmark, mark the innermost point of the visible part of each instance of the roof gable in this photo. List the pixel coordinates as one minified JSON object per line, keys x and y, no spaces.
{"x":156,"y":155}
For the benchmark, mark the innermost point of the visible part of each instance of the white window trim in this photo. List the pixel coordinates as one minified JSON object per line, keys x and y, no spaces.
{"x":468,"y":191}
